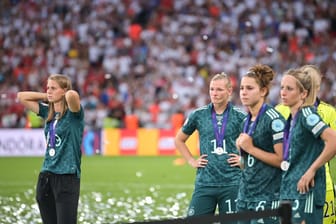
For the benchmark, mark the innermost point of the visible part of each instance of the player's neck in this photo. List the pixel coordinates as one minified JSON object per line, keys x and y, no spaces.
{"x":254,"y":110}
{"x":220,"y":108}
{"x":295,"y":108}
{"x":58,"y":106}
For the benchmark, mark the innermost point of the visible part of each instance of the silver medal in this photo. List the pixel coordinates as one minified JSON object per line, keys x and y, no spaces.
{"x":52,"y":152}
{"x":219,"y":151}
{"x":284,"y":165}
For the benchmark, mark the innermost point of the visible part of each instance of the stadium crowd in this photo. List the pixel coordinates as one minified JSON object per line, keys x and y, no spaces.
{"x":153,"y":58}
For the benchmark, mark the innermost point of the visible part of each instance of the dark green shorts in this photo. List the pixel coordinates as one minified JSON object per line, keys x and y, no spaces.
{"x":206,"y":199}
{"x":307,"y":210}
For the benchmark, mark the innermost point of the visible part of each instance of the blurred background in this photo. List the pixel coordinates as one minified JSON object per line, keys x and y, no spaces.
{"x":147,"y":63}
{"x":140,"y":66}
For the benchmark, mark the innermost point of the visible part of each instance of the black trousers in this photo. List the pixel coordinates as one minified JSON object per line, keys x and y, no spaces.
{"x":57,"y":196}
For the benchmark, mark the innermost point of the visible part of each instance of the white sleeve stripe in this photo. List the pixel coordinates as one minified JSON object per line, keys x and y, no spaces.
{"x":306,"y":111}
{"x":272,"y":114}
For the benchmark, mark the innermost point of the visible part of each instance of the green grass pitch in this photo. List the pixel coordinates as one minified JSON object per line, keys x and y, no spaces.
{"x":113,"y":189}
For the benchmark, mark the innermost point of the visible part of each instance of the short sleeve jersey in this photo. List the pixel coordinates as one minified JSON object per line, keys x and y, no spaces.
{"x":305,"y":145}
{"x":328,"y":114}
{"x":326,"y":111}
{"x":260,"y":181}
{"x":217,"y":172}
{"x":284,"y":110}
{"x":68,"y":139}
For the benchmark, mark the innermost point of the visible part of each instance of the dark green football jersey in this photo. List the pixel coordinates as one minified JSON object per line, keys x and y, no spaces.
{"x":69,"y":132}
{"x":305,"y":146}
{"x":260,"y":181}
{"x":217,"y":172}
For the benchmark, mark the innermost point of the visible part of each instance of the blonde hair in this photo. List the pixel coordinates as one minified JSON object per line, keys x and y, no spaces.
{"x":315,"y":74}
{"x":65,"y":83}
{"x":306,"y":81}
{"x":221,"y":76}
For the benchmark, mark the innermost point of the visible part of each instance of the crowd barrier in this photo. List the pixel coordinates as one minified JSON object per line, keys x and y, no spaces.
{"x":106,"y":142}
{"x":284,"y":212}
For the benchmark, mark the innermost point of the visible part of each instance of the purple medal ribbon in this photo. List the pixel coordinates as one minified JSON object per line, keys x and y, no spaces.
{"x":287,"y":132}
{"x":287,"y":135}
{"x":219,"y":134}
{"x":250,"y":130}
{"x":52,"y":133}
{"x":317,"y":103}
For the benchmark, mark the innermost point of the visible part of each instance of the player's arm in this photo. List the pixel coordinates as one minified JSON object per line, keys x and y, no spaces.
{"x":30,"y":99}
{"x":329,"y":151}
{"x":73,"y":100}
{"x":274,"y":159}
{"x":180,"y":143}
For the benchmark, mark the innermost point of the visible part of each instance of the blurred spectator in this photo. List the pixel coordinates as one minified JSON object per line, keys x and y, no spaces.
{"x":146,"y":53}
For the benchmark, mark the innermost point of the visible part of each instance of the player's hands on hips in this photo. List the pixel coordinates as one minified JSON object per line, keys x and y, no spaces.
{"x":234,"y":160}
{"x":200,"y":162}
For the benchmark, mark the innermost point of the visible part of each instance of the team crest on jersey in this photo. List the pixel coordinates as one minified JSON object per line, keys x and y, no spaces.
{"x":312,"y":119}
{"x":278,"y":125}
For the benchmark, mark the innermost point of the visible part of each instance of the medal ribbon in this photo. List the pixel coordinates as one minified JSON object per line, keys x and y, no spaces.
{"x":287,"y":135}
{"x":317,"y":103}
{"x":248,"y":130}
{"x":287,"y":132}
{"x":219,"y":134}
{"x":52,"y":133}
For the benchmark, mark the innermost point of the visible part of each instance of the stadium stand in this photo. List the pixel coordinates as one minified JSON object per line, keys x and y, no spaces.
{"x":126,"y":57}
